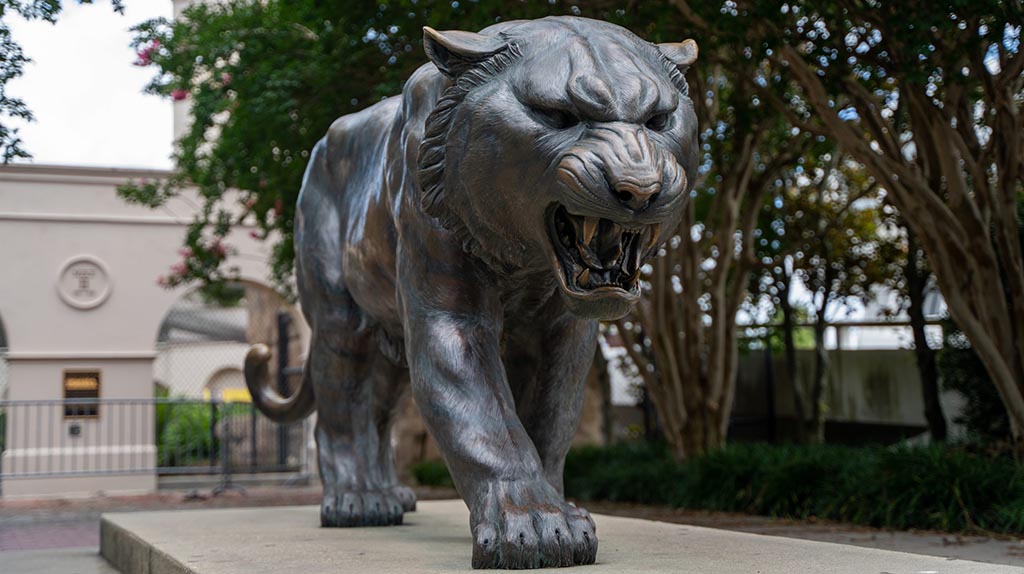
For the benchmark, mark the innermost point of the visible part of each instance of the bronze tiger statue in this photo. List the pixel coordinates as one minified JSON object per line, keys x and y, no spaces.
{"x":466,"y":236}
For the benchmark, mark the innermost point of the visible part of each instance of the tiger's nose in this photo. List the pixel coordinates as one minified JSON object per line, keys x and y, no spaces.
{"x":634,"y":195}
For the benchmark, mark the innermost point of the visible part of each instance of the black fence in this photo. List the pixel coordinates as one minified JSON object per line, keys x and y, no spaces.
{"x":80,"y":437}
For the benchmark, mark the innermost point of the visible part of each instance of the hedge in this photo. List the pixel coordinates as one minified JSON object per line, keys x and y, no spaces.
{"x":936,"y":487}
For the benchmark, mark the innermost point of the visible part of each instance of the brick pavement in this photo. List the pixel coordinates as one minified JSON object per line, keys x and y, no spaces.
{"x":43,"y":536}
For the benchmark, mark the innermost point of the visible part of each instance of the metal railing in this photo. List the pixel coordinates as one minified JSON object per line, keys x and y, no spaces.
{"x":81,"y":437}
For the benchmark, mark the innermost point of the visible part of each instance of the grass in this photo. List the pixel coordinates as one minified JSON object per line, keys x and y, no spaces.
{"x":937,"y":487}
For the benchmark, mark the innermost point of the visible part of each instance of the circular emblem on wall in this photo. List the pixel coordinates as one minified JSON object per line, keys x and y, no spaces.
{"x":83,"y":282}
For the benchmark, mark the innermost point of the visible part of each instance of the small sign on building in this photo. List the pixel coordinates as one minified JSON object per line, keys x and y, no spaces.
{"x":79,"y":386}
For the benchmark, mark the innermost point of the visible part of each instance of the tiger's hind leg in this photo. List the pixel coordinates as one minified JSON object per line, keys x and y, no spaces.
{"x":354,"y":386}
{"x":351,"y":378}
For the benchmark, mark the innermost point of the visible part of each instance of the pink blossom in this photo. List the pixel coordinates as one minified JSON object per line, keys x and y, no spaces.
{"x":185,"y":252}
{"x":225,"y":78}
{"x":161,"y":281}
{"x":250,"y":203}
{"x":178,"y":268}
{"x":254,"y":234}
{"x":145,"y":54}
{"x":179,"y":94}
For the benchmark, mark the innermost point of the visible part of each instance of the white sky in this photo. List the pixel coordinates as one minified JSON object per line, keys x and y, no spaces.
{"x":86,"y":94}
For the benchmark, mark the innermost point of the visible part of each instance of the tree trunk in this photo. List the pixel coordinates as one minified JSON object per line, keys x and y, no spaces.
{"x":789,"y":344}
{"x":605,"y":383}
{"x":816,"y":424}
{"x":700,"y":435}
{"x":926,"y":366}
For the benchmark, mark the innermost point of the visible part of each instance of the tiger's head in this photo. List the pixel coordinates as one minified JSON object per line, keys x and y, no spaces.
{"x":565,"y":144}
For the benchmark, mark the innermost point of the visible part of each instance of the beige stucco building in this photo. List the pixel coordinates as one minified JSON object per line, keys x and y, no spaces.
{"x":79,"y":295}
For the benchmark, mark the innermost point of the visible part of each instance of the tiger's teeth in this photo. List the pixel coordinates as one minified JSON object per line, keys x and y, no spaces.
{"x":632,"y":278}
{"x":589,"y":228}
{"x":653,"y":239}
{"x":584,"y":277}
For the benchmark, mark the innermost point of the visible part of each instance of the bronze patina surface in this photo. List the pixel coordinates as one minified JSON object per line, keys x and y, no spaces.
{"x":466,"y":236}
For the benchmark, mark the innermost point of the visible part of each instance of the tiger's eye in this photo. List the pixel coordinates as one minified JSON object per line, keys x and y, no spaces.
{"x":554,"y":118}
{"x":658,"y":122}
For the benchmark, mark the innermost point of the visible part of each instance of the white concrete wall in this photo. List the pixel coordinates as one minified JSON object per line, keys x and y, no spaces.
{"x":880,"y":386}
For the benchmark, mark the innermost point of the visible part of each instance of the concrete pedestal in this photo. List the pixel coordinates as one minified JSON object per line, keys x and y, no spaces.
{"x":436,"y":539}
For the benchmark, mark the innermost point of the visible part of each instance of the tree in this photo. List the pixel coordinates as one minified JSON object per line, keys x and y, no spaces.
{"x":984,"y":415}
{"x":839,"y":263}
{"x":12,"y":65}
{"x":911,"y":281}
{"x":822,"y":228}
{"x":927,"y":97}
{"x":683,"y":336}
{"x":916,"y":275}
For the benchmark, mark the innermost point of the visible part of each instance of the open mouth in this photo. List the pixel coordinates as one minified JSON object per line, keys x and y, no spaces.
{"x":597,"y":255}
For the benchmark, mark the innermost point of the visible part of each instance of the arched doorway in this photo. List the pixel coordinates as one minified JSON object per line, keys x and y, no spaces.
{"x":205,"y":334}
{"x":205,"y":420}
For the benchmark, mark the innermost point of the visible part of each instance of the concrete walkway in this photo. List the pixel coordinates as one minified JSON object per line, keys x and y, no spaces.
{"x":436,"y":539}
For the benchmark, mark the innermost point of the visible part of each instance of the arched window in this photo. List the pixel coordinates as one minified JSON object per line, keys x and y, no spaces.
{"x":228,"y":385}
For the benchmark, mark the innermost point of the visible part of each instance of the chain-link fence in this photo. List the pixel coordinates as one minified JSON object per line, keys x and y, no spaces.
{"x":203,"y":340}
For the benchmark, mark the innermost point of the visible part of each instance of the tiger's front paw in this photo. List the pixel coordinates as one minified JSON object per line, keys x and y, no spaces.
{"x":518,"y":525}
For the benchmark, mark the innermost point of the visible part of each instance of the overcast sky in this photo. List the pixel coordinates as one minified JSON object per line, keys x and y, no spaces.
{"x":86,"y":94}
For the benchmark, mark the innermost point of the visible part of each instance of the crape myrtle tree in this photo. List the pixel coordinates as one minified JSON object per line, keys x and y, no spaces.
{"x":835,"y":220}
{"x":823,"y":228}
{"x":927,"y":96}
{"x":984,"y":416}
{"x":683,"y":335}
{"x":12,"y":65}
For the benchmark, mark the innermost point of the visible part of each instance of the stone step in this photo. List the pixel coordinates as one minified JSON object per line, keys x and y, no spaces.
{"x":436,"y":539}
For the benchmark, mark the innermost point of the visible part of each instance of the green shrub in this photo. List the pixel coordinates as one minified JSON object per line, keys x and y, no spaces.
{"x":431,"y":473}
{"x":185,"y":435}
{"x":935,"y":487}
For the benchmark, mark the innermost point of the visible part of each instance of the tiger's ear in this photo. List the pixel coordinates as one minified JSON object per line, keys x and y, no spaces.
{"x":455,"y":51}
{"x":682,"y":54}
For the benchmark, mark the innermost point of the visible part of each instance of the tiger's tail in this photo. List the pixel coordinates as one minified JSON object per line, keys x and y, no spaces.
{"x":266,"y":398}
